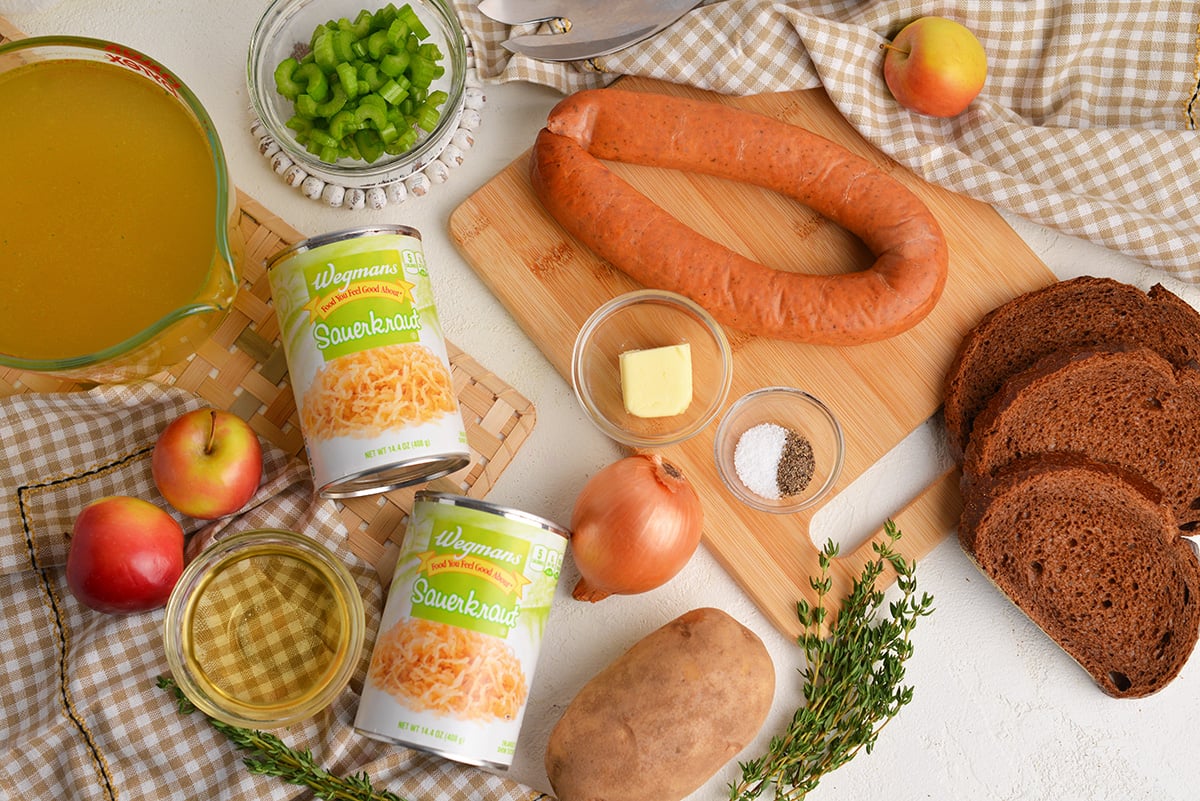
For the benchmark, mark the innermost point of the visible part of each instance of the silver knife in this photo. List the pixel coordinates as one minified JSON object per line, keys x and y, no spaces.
{"x":599,"y":28}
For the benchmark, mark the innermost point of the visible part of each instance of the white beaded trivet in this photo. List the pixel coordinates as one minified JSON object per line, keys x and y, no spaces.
{"x":417,"y":184}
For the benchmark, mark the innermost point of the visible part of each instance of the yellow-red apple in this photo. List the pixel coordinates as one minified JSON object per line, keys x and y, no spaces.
{"x":935,"y":66}
{"x":207,"y":463}
{"x":125,"y":556}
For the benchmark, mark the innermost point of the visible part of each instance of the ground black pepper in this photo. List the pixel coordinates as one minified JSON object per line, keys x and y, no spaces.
{"x":796,"y":464}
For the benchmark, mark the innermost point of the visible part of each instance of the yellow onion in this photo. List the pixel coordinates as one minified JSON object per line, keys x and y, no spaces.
{"x":635,"y":525}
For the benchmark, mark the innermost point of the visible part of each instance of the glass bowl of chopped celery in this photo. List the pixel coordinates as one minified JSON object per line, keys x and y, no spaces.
{"x":651,"y":368}
{"x":358,"y":92}
{"x":779,"y":449}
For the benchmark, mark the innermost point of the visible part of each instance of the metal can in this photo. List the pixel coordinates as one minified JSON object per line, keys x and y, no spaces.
{"x":368,"y":361}
{"x":458,"y":642}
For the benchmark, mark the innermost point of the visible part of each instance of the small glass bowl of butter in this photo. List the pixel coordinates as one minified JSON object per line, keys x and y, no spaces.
{"x":651,"y":368}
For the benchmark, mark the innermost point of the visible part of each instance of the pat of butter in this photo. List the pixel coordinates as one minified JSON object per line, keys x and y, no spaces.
{"x":657,"y":382}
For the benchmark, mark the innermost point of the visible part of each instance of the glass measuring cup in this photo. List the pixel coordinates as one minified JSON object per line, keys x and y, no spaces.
{"x":119,"y":255}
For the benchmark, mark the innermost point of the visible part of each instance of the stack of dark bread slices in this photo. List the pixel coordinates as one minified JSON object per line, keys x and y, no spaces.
{"x":1074,"y":411}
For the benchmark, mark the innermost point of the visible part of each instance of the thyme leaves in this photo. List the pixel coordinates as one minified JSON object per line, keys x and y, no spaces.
{"x":853,"y":676}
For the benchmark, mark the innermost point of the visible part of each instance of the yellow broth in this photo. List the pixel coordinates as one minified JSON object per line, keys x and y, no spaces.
{"x":107,"y":218}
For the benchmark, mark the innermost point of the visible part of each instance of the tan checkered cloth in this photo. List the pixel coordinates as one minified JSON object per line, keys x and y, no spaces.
{"x":1087,"y":123}
{"x":83,"y":718}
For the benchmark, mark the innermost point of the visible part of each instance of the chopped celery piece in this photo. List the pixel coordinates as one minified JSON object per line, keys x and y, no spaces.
{"x":383,"y":17}
{"x":393,"y":92}
{"x":374,"y":99}
{"x":362,"y":24}
{"x":343,"y":46}
{"x":373,"y":113}
{"x":397,"y":34}
{"x":420,"y":70}
{"x":427,"y":117}
{"x":316,"y":85}
{"x":334,"y":104}
{"x":322,"y":138}
{"x":394,"y":64}
{"x":404,"y":143}
{"x":323,"y":51}
{"x":347,"y":81}
{"x":370,"y":146}
{"x":406,"y":13}
{"x":343,"y":124}
{"x":378,"y":45}
{"x":306,"y":106}
{"x":299,"y":124}
{"x":372,"y":75}
{"x":389,"y":133}
{"x":285,"y":84}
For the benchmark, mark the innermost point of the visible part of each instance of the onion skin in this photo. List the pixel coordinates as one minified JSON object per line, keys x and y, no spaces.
{"x":635,"y":525}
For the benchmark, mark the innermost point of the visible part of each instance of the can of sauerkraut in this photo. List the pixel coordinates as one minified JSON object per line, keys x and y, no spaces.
{"x":458,"y":642}
{"x":367,"y":360}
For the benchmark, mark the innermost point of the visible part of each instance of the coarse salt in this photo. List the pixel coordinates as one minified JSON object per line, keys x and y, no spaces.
{"x":756,"y":458}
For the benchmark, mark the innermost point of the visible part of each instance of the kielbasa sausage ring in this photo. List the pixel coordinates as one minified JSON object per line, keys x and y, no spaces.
{"x":638,"y":237}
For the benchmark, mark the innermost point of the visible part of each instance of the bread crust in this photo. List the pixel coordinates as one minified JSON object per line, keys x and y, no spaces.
{"x":1089,"y":554}
{"x":1081,"y":313}
{"x":1128,"y":408}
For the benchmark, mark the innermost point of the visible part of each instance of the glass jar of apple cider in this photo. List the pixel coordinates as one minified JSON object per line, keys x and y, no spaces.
{"x":264,"y":629}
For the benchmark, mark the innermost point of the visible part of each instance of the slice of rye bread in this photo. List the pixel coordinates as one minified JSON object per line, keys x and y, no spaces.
{"x":1084,"y":312}
{"x":1132,"y":409}
{"x":1088,"y":553}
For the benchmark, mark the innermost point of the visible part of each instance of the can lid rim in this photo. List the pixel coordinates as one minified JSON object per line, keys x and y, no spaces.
{"x":320,"y":240}
{"x":449,"y":498}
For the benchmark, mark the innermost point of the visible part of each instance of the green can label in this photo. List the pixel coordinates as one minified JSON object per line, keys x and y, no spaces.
{"x":458,"y":642}
{"x":364,"y":300}
{"x":462,"y":581}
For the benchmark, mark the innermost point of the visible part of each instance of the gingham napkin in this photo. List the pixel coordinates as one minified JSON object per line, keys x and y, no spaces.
{"x":1087,"y":123}
{"x":82,"y":717}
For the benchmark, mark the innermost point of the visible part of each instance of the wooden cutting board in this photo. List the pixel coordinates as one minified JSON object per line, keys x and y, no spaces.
{"x":880,"y":392}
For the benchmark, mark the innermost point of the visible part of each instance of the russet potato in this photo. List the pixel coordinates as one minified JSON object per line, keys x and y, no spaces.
{"x":664,"y":717}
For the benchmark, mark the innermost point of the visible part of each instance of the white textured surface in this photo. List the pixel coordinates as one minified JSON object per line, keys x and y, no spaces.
{"x":999,"y":712}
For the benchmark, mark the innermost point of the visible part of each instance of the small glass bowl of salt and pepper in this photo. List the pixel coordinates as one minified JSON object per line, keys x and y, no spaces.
{"x":779,"y":449}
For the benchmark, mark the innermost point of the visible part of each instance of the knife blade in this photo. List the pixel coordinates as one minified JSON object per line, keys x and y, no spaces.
{"x":563,"y":47}
{"x":521,"y":12}
{"x":598,"y":29}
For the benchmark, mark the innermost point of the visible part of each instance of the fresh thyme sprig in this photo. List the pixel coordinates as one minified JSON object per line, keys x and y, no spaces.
{"x":272,"y":757}
{"x":852,"y":678}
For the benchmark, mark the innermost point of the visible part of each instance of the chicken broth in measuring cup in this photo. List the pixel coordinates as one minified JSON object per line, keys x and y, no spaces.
{"x":116,"y":210}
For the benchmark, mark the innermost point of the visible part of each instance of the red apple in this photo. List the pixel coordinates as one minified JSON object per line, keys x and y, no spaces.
{"x":935,"y":66}
{"x":126,"y":555}
{"x":207,"y":463}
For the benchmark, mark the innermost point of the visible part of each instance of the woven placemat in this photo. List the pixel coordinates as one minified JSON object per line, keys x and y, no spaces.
{"x":242,"y":367}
